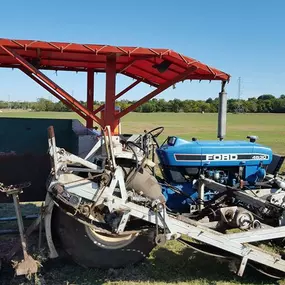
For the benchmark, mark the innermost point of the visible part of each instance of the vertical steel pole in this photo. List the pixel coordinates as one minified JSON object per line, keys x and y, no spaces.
{"x":20,"y":224}
{"x":109,"y":112}
{"x":222,"y":116}
{"x":90,"y":96}
{"x":201,"y":194}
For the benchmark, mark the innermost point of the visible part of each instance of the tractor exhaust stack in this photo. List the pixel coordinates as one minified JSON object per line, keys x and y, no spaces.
{"x":222,"y":116}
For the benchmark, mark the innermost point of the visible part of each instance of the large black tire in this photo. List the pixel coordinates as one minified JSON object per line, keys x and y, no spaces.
{"x":75,"y":239}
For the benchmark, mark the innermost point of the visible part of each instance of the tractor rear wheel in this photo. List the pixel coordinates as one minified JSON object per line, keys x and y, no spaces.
{"x":91,"y":249}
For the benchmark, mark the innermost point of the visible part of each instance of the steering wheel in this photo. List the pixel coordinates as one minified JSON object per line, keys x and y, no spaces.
{"x":154,"y":133}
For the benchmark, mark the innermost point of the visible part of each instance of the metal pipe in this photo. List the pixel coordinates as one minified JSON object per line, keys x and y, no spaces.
{"x":109,"y":110}
{"x":20,"y":224}
{"x":201,"y":194}
{"x":222,"y":116}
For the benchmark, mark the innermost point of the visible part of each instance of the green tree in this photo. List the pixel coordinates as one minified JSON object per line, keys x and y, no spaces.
{"x":266,"y":97}
{"x":147,"y":108}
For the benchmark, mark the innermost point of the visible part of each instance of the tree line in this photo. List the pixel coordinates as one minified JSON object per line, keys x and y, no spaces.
{"x":266,"y":103}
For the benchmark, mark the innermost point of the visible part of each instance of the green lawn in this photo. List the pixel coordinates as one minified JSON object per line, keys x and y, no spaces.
{"x":270,"y":128}
{"x":173,"y":263}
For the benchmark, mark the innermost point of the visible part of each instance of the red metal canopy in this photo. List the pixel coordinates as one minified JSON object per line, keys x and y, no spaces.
{"x":160,"y":68}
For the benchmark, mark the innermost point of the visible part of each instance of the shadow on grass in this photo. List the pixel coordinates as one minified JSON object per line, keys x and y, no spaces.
{"x":163,"y":266}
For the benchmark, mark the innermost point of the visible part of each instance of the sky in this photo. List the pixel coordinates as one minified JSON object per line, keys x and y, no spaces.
{"x":243,"y":38}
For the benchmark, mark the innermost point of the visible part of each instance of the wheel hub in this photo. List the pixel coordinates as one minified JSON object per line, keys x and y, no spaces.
{"x":109,"y":242}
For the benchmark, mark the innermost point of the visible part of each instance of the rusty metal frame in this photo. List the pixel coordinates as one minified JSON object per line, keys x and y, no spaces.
{"x":110,"y":117}
{"x":110,"y":98}
{"x":54,"y":93}
{"x":155,"y":92}
{"x":90,"y":96}
{"x":49,"y":85}
{"x":30,"y":56}
{"x":120,"y":94}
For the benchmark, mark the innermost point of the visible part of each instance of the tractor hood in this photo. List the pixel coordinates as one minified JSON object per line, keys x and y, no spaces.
{"x":179,"y":152}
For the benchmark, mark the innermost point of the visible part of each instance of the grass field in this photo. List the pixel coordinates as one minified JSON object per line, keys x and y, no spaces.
{"x":173,"y":263}
{"x":270,"y":128}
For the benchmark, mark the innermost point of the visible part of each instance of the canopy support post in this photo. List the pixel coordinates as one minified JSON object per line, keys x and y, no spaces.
{"x":109,"y":111}
{"x":90,"y":96}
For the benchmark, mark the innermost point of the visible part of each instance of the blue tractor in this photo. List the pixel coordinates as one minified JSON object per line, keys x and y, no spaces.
{"x":229,"y":163}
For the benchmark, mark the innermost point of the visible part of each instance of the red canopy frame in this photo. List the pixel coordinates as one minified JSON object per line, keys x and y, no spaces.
{"x":160,"y":68}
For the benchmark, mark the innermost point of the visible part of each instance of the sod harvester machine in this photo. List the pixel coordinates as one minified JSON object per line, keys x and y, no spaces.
{"x":109,"y":208}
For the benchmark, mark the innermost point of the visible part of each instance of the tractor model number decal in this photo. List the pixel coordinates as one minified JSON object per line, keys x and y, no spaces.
{"x":260,"y":157}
